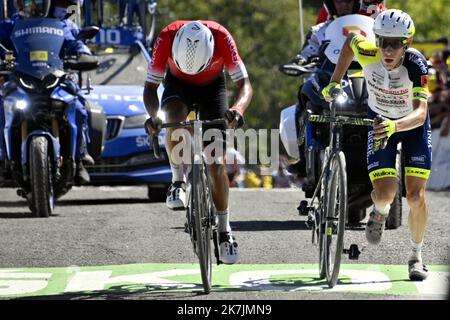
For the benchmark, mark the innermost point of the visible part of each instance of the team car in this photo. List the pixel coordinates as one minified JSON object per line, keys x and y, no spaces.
{"x":117,"y":86}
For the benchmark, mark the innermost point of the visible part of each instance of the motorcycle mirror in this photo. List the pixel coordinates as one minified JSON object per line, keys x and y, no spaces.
{"x":151,"y":7}
{"x":88,"y":33}
{"x":88,"y":87}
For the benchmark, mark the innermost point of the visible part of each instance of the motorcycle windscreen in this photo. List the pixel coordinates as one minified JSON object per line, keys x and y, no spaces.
{"x":38,"y":43}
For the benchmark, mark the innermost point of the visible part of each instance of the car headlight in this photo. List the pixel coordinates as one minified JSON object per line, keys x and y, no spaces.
{"x":135,"y":121}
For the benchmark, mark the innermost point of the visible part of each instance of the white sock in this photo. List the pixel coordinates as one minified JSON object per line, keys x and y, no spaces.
{"x":224,"y":221}
{"x":177,"y":172}
{"x":383,"y":210}
{"x":416,"y":252}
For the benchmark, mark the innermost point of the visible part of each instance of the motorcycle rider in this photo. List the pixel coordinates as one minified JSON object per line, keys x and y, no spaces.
{"x":371,"y":8}
{"x":310,"y":50}
{"x":397,"y":82}
{"x":40,"y":9}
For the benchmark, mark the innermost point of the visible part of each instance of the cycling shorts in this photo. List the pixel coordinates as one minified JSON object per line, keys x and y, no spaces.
{"x":416,"y":149}
{"x":210,"y":100}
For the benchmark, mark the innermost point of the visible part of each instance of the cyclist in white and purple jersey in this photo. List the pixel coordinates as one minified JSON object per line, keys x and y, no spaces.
{"x":397,"y":82}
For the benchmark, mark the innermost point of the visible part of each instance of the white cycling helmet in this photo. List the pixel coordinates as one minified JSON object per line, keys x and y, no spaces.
{"x":394,"y":23}
{"x":193,"y":48}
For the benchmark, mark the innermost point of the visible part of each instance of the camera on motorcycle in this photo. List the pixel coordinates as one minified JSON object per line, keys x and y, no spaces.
{"x":88,"y":33}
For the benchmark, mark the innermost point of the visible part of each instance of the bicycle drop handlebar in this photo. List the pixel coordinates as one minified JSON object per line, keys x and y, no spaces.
{"x":340,"y":120}
{"x":155,"y":141}
{"x":351,"y":121}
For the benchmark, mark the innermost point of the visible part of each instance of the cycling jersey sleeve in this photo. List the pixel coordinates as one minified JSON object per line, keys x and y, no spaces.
{"x":418,"y":74}
{"x":161,"y":53}
{"x":227,"y":48}
{"x":365,"y":51}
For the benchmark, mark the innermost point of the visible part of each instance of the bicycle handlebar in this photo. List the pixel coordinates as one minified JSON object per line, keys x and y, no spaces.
{"x":191,"y":123}
{"x":341,"y":120}
{"x":155,"y":142}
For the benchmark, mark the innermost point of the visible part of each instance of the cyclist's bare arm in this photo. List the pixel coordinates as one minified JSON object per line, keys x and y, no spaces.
{"x":344,"y":61}
{"x":411,"y":121}
{"x":244,"y":94}
{"x":151,"y":101}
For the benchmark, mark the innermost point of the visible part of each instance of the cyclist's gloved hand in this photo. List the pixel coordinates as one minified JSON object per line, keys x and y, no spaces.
{"x":331,"y":91}
{"x":234,"y":117}
{"x":153,"y":125}
{"x":383,"y":129}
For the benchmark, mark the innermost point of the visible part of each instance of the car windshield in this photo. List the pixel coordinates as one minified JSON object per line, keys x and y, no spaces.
{"x":120,"y":67}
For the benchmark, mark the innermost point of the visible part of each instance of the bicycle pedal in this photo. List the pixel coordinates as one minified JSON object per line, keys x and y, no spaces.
{"x":304,"y":209}
{"x":353,"y":252}
{"x":309,"y":222}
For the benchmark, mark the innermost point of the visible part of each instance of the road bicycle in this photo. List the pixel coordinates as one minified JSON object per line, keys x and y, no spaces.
{"x":200,"y":210}
{"x":327,"y":211}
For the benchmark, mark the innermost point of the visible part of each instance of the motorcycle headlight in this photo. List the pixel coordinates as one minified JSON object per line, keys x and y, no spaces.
{"x":26,"y":84}
{"x":21,"y":105}
{"x":342,"y":98}
{"x":135,"y":121}
{"x":161,"y":115}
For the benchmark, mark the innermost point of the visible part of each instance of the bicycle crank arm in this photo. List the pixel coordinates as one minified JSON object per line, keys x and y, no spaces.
{"x":216,"y":247}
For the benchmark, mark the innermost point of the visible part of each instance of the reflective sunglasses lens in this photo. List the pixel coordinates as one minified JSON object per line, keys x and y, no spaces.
{"x":393,"y":43}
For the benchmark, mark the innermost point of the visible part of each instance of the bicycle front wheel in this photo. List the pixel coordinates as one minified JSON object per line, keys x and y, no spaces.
{"x":336,"y":212}
{"x":201,"y":207}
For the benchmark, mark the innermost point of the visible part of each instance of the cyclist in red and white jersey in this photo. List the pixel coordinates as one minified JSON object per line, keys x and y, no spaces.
{"x":190,"y":56}
{"x":397,"y":83}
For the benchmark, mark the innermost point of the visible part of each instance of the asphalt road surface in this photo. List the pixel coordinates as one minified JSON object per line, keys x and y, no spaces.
{"x":112,"y":243}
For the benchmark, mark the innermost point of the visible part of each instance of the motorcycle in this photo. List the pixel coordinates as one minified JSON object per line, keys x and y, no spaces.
{"x":40,"y":119}
{"x":354,"y":102}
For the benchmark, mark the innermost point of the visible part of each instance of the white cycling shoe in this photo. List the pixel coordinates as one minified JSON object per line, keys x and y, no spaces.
{"x":228,"y":248}
{"x":176,"y":196}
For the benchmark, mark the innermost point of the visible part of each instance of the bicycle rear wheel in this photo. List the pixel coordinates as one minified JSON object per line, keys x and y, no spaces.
{"x":201,"y":212}
{"x":336,"y":212}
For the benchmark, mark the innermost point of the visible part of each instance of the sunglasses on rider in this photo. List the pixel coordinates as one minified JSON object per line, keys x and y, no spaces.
{"x":394,"y":43}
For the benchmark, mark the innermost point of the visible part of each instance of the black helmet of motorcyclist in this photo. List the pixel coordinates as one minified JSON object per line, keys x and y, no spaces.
{"x":339,"y":8}
{"x":33,"y":8}
{"x":60,"y":8}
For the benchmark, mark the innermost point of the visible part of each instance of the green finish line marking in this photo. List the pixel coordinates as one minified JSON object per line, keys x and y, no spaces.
{"x":158,"y":278}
